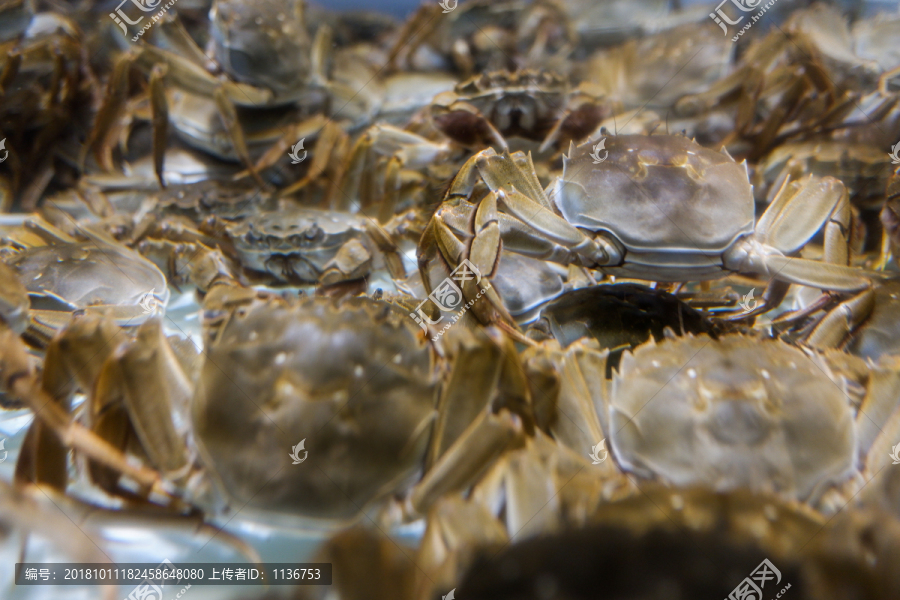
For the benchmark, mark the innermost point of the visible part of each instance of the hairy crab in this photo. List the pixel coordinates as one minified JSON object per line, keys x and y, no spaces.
{"x":657,"y":208}
{"x":373,"y":417}
{"x":737,"y":412}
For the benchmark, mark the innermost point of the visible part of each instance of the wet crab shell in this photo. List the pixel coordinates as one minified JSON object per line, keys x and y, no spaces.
{"x":300,"y":245}
{"x":246,"y":36}
{"x":729,"y":413}
{"x":355,"y":381}
{"x":86,"y":275}
{"x":669,"y":201}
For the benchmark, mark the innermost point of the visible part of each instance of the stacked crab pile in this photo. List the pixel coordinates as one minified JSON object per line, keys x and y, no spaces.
{"x":564,"y":287}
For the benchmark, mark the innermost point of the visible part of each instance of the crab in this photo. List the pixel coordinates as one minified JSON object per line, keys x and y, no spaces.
{"x":658,"y":208}
{"x":481,"y":36}
{"x":740,"y":534}
{"x":243,"y":38}
{"x":206,"y":232}
{"x":313,"y":246}
{"x":91,"y":272}
{"x":490,"y":108}
{"x":43,"y":91}
{"x":277,"y":387}
{"x":618,"y":317}
{"x":736,"y":412}
{"x":797,"y":82}
{"x":393,"y":168}
{"x":468,"y":550}
{"x":261,"y":376}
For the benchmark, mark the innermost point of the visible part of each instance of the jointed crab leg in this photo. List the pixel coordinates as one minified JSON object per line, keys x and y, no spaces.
{"x":160,"y":110}
{"x":228,"y":113}
{"x":20,"y":378}
{"x":109,"y":113}
{"x":800,"y":210}
{"x":485,"y":440}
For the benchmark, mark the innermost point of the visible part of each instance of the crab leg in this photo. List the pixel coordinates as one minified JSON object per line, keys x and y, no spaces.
{"x":194,"y":78}
{"x":276,"y":151}
{"x":798,"y":212}
{"x":109,"y":113}
{"x":228,"y":114}
{"x":485,"y":440}
{"x":594,"y":251}
{"x":20,"y":378}
{"x":834,"y":327}
{"x":160,"y":110}
{"x":484,"y":252}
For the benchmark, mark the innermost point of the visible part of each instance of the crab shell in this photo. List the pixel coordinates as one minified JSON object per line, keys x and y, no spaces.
{"x":732,"y":412}
{"x":355,"y":381}
{"x":92,"y":275}
{"x":246,"y":36}
{"x":303,"y":244}
{"x":674,"y":206}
